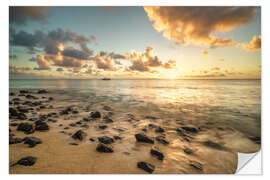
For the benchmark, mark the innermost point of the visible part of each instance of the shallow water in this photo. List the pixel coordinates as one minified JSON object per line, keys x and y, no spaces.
{"x":227,"y":112}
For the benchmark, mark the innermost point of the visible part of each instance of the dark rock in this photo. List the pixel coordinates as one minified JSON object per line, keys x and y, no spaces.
{"x":13,"y":112}
{"x":107,"y":120}
{"x":146,"y":167}
{"x":151,"y":126}
{"x":26,"y":128}
{"x":103,"y":148}
{"x":74,"y":144}
{"x":79,"y":135}
{"x":41,"y":126}
{"x":102,"y":127}
{"x":86,"y":119}
{"x":33,"y":119}
{"x":105,"y":140}
{"x":72,"y":124}
{"x":16,"y":99}
{"x":66,"y":127}
{"x":30,"y":97}
{"x":14,"y":140}
{"x":52,"y":120}
{"x":11,"y":94}
{"x":107,"y":108}
{"x":50,"y":99}
{"x":42,"y":91}
{"x":26,"y":161}
{"x":95,"y":114}
{"x":117,"y":137}
{"x":150,"y":117}
{"x":190,"y":129}
{"x":75,"y":112}
{"x":32,"y":141}
{"x":196,"y":165}
{"x":257,"y":140}
{"x":213,"y":145}
{"x":144,"y":129}
{"x":85,"y":126}
{"x":159,"y":130}
{"x":24,"y":91}
{"x":79,"y":122}
{"x":14,"y":124}
{"x":157,"y":154}
{"x":92,"y":139}
{"x":23,"y":110}
{"x":60,"y":125}
{"x":21,"y":116}
{"x":188,"y":151}
{"x":162,"y":140}
{"x":143,"y":138}
{"x":42,"y":107}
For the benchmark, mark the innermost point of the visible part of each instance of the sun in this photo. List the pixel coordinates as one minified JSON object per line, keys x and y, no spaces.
{"x":173,"y":74}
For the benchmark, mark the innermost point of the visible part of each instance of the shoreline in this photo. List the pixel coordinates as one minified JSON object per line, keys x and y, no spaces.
{"x":190,"y":149}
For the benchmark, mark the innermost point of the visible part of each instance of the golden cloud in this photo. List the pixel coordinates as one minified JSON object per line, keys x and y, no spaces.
{"x":253,"y":45}
{"x":196,"y":25}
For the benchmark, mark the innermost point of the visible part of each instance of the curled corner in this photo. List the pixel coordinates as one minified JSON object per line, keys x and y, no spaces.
{"x":249,"y":163}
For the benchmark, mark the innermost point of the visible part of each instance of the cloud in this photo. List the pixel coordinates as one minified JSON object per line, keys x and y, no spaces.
{"x":204,"y":52}
{"x":43,"y":64}
{"x":253,"y":45}
{"x":145,"y":61}
{"x":71,"y":52}
{"x":16,"y":69}
{"x":105,"y":63}
{"x":51,"y":41}
{"x":197,"y":25}
{"x":20,"y":14}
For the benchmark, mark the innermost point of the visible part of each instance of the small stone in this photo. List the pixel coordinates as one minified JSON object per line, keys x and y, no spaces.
{"x":196,"y":165}
{"x":26,"y":128}
{"x":32,"y":141}
{"x":161,"y":140}
{"x":26,"y":161}
{"x":102,"y":127}
{"x":85,"y":126}
{"x":72,"y":124}
{"x":41,"y":126}
{"x":143,"y":138}
{"x":190,"y":129}
{"x":188,"y":151}
{"x":79,"y":135}
{"x":92,"y":139}
{"x":13,"y":124}
{"x":15,"y":140}
{"x":117,"y":137}
{"x":42,"y":91}
{"x":104,"y":148}
{"x":95,"y":114}
{"x":157,"y":154}
{"x":74,"y":144}
{"x":146,"y":167}
{"x":105,"y":140}
{"x":213,"y":145}
{"x":159,"y":130}
{"x":107,"y":108}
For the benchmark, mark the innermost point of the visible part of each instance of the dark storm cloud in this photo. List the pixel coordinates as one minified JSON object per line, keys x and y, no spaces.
{"x":75,"y":53}
{"x":50,"y":42}
{"x":20,"y":14}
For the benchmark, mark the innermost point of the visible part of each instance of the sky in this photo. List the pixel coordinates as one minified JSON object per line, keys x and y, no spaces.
{"x":135,"y":42}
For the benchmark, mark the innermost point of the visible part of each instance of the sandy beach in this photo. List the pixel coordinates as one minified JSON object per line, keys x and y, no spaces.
{"x":162,"y":144}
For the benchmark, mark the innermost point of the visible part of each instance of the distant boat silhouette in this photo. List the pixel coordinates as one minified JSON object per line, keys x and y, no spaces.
{"x":106,"y":79}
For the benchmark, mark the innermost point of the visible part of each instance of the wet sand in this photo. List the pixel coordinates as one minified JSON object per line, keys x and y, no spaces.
{"x":204,"y":147}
